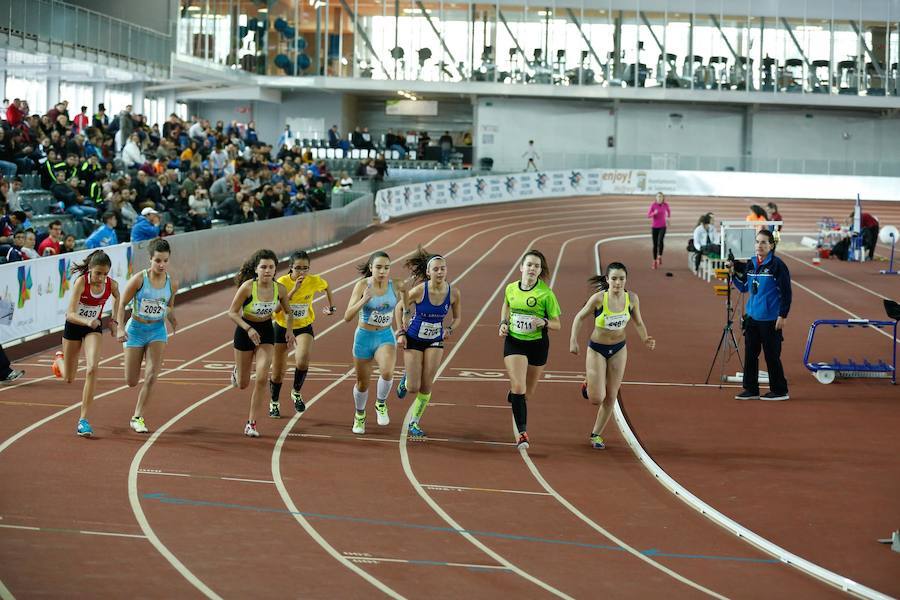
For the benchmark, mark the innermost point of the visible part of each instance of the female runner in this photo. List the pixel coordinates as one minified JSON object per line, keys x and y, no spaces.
{"x":251,"y":310}
{"x":606,"y":358}
{"x":152,"y":292}
{"x":425,"y":333}
{"x":83,"y":328}
{"x":659,"y":214}
{"x":373,"y":299}
{"x":529,"y":309}
{"x":303,"y":287}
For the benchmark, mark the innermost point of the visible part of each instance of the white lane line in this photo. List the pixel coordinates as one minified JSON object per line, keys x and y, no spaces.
{"x":404,"y":454}
{"x":81,"y":531}
{"x":835,"y":579}
{"x":830,"y":274}
{"x":460,"y":488}
{"x":246,"y":480}
{"x":5,"y":594}
{"x":193,"y":476}
{"x":839,"y":307}
{"x":370,"y":438}
{"x":369,"y":559}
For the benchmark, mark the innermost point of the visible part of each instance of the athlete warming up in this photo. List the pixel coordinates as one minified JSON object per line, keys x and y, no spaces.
{"x":83,"y":328}
{"x":529,"y":309}
{"x":423,"y":330}
{"x":612,"y":306}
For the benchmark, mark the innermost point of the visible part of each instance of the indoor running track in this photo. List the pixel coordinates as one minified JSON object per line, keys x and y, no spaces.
{"x":309,"y":510}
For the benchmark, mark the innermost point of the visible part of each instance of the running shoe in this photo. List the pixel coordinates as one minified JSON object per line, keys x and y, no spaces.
{"x":659,"y":261}
{"x":774,"y":396}
{"x":655,"y":264}
{"x":415,"y":432}
{"x":401,"y":387}
{"x":381,"y":414}
{"x":234,"y":381}
{"x":250,"y":429}
{"x":137,"y":423}
{"x":274,"y":411}
{"x":299,"y":405}
{"x":359,"y":423}
{"x":13,"y":375}
{"x":522,"y":444}
{"x":84,"y":428}
{"x":597,"y":442}
{"x":55,"y":366}
{"x":745,"y":395}
{"x":584,"y":390}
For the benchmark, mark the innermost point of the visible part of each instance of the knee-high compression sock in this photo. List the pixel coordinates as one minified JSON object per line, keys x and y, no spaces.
{"x":520,"y":411}
{"x":274,"y":390}
{"x":360,"y":399}
{"x":383,"y":389}
{"x":419,"y":407}
{"x":299,"y":378}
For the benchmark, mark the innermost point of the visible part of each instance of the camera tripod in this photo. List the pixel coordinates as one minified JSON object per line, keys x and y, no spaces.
{"x":727,"y":342}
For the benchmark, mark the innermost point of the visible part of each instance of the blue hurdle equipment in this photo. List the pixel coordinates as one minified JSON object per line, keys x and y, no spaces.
{"x":826,"y":372}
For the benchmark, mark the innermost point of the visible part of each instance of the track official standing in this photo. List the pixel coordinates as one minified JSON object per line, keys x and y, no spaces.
{"x":769,"y":282}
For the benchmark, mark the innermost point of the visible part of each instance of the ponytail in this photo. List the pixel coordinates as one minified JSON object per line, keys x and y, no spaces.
{"x":599,"y":283}
{"x":97,"y":258}
{"x":418,"y":263}
{"x":365,"y":269}
{"x":248,"y":269}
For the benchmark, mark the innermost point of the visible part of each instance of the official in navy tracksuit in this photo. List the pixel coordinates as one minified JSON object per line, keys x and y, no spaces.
{"x":769,"y":282}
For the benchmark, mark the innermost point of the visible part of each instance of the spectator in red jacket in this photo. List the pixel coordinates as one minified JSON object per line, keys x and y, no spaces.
{"x":51,"y":244}
{"x":16,"y":114}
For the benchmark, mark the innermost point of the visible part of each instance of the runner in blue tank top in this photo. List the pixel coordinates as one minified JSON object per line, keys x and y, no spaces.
{"x":151,"y":293}
{"x":374,"y":299}
{"x":425,"y":333}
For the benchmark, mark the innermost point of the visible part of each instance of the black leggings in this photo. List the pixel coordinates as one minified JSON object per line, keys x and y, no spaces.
{"x":658,"y":234}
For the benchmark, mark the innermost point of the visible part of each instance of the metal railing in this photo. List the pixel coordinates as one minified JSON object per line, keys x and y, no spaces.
{"x":60,"y":24}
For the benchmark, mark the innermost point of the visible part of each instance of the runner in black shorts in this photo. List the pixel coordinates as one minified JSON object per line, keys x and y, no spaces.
{"x":251,"y":310}
{"x":529,"y":310}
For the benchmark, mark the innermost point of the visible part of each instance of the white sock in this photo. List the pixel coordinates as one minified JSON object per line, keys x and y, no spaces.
{"x":383,"y":389}
{"x":360,"y":399}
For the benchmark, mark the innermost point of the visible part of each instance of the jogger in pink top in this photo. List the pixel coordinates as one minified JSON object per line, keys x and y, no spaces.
{"x":659,"y":214}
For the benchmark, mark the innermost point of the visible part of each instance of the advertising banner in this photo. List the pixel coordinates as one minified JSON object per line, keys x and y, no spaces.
{"x":34,"y":294}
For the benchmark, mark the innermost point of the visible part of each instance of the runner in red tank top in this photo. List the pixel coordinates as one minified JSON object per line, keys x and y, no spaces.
{"x":83,"y":327}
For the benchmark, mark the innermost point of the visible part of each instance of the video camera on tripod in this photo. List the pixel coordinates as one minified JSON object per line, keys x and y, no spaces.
{"x":727,"y":342}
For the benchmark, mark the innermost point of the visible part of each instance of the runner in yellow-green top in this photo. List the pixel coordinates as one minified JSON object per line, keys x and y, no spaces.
{"x":303,"y":287}
{"x":529,"y":310}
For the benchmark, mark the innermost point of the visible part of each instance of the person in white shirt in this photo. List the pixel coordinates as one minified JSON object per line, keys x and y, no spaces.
{"x":131,"y":153}
{"x":706,"y":239}
{"x":531,"y":156}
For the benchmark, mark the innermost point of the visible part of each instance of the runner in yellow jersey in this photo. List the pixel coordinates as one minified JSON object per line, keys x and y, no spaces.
{"x":302,"y":286}
{"x":529,"y":310}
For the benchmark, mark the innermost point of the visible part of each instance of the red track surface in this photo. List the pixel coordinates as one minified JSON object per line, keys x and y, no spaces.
{"x":817,"y":474}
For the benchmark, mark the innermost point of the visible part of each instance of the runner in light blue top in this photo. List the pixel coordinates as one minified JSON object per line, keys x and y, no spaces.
{"x":374,"y":299}
{"x":151,"y":294}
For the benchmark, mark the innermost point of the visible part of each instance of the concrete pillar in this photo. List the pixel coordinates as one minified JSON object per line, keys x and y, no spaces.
{"x":169,"y":98}
{"x":52,"y":93}
{"x":137,"y":98}
{"x":3,"y":84}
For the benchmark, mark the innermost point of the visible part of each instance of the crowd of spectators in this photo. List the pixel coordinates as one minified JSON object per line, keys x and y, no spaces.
{"x":119,"y":177}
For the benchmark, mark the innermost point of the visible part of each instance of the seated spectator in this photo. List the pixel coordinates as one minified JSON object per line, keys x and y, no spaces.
{"x":757,"y":213}
{"x":105,"y":235}
{"x":28,"y":251}
{"x":167,"y":229}
{"x":245,"y":213}
{"x":71,"y":201}
{"x":774,"y":215}
{"x":335,"y":141}
{"x":146,"y":227}
{"x":132,"y":156}
{"x":199,"y":209}
{"x":705,"y":240}
{"x":11,"y":222}
{"x":395,"y":142}
{"x":318,"y":197}
{"x":51,"y":244}
{"x":345,"y":182}
{"x":68,"y":244}
{"x":356,"y":138}
{"x":15,"y":252}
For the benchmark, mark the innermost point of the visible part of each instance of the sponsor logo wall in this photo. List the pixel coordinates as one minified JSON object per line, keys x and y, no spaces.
{"x":34,"y":294}
{"x":411,"y":199}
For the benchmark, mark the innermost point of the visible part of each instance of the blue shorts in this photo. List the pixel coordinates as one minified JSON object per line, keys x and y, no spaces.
{"x":365,"y":342}
{"x":141,"y":335}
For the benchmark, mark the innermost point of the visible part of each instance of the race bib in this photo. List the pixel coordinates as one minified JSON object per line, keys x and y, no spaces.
{"x":300,"y":311}
{"x":152,"y":308}
{"x":616,"y":322}
{"x":522,"y":323}
{"x":429,"y":331}
{"x":88,"y":312}
{"x":263,"y":309}
{"x":380,"y":319}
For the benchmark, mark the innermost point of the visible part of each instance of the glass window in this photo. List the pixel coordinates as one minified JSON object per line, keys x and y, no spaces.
{"x":34,"y":91}
{"x":78,"y":95}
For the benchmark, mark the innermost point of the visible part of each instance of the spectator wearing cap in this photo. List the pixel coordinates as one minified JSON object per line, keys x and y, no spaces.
{"x":146,"y":227}
{"x":105,"y":235}
{"x":101,"y":119}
